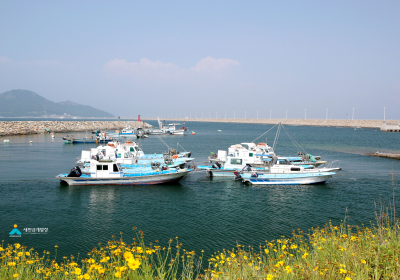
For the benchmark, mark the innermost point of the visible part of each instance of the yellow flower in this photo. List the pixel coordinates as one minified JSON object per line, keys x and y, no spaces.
{"x":139,"y":250}
{"x":363,"y":261}
{"x":128,"y":255}
{"x":17,"y":245}
{"x":73,"y":264}
{"x":293,"y":246}
{"x":20,"y":254}
{"x":105,"y":259}
{"x":342,"y":271}
{"x":233,"y":255}
{"x":66,"y":273}
{"x":15,"y":275}
{"x":270,"y":277}
{"x":133,"y":264}
{"x":11,"y":263}
{"x":305,"y":255}
{"x":86,"y":276}
{"x":347,"y":278}
{"x":27,"y":253}
{"x":29,"y":262}
{"x":118,"y":274}
{"x":288,"y":269}
{"x":78,"y":271}
{"x":266,"y":251}
{"x":283,"y":247}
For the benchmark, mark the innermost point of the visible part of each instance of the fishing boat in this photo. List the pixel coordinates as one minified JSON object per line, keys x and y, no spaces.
{"x":109,"y":172}
{"x":284,"y":173}
{"x":165,"y":128}
{"x":225,"y":163}
{"x":129,"y":154}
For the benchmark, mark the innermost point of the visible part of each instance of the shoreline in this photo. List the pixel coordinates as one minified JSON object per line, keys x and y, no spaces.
{"x":373,"y":124}
{"x":10,"y":128}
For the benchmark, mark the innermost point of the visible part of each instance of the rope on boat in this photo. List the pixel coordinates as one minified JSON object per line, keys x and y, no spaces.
{"x":295,"y":143}
{"x":264,"y":133}
{"x":177,"y":144}
{"x":162,"y":141}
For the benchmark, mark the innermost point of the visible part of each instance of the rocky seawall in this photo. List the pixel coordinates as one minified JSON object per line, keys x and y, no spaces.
{"x":311,"y":122}
{"x":36,"y":127}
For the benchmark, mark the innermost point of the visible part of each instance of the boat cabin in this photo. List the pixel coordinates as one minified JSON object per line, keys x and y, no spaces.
{"x":105,"y":169}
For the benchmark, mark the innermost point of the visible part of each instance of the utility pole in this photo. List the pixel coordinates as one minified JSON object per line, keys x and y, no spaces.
{"x":384,"y":113}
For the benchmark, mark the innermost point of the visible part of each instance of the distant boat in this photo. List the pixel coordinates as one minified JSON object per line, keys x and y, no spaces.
{"x":219,"y":130}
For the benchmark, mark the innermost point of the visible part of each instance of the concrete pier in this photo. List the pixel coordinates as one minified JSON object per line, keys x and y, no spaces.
{"x":376,"y":124}
{"x":35,"y":127}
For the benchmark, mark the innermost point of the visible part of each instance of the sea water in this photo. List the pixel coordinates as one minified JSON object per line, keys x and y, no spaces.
{"x":205,"y":213}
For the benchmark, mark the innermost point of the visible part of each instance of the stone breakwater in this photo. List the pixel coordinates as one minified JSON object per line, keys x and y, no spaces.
{"x":311,"y":122}
{"x":36,"y":127}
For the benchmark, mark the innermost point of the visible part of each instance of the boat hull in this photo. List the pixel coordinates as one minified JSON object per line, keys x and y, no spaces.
{"x":126,"y":180}
{"x":289,"y":179}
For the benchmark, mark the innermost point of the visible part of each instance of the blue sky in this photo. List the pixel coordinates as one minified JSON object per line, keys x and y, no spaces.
{"x":176,"y":58}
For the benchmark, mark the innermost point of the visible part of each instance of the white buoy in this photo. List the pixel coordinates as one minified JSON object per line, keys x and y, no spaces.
{"x":6,"y":141}
{"x":31,"y":141}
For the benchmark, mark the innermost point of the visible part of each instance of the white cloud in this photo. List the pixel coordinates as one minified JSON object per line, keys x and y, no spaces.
{"x":210,"y":64}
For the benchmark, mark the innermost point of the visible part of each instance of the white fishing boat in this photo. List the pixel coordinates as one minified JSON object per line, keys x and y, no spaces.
{"x":225,"y":163}
{"x":130,"y":154}
{"x":279,"y":173}
{"x":109,"y":172}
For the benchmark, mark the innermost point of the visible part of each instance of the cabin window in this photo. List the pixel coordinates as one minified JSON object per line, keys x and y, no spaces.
{"x":236,"y":161}
{"x":99,"y":167}
{"x":250,"y":154}
{"x":105,"y":167}
{"x":115,"y":168}
{"x":295,"y":169}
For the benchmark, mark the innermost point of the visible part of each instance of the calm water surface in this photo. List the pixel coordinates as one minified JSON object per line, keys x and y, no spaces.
{"x":205,"y":213}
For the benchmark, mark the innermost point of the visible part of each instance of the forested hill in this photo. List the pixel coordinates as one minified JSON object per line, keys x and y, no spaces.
{"x":25,"y":103}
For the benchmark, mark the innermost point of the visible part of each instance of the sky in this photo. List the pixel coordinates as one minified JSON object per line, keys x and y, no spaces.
{"x":306,"y":59}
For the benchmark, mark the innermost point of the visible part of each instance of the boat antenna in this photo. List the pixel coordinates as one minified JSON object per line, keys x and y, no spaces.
{"x":264,"y":133}
{"x":277,"y":136}
{"x":295,"y":143}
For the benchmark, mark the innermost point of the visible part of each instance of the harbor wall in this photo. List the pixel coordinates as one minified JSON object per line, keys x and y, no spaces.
{"x":36,"y":127}
{"x":310,"y":122}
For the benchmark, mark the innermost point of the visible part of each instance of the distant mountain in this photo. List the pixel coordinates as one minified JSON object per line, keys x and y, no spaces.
{"x":25,"y":103}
